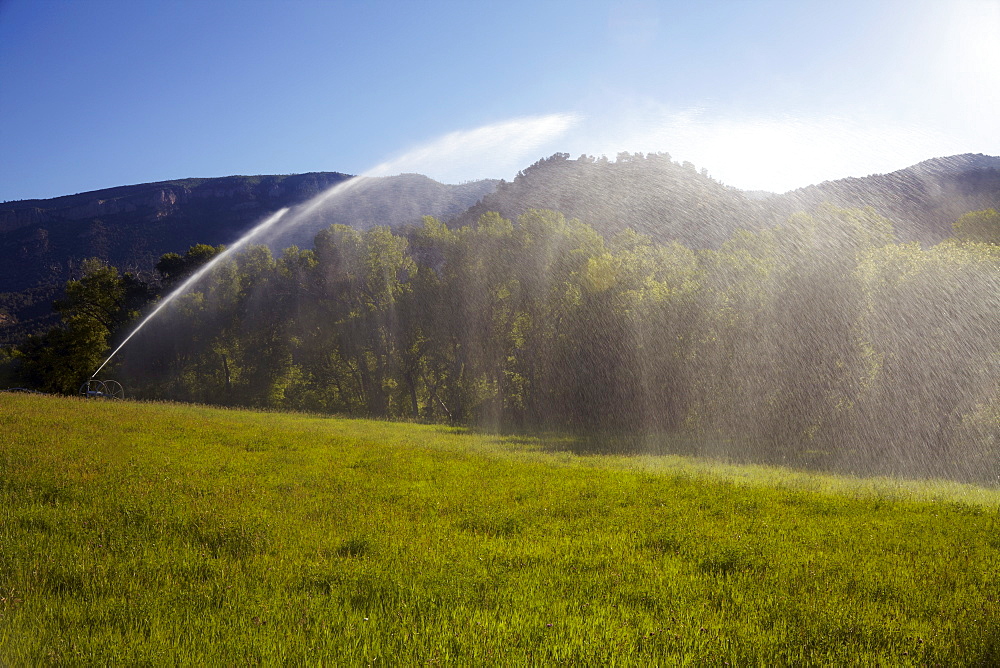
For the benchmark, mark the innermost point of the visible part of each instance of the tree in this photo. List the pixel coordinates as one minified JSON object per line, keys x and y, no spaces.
{"x":96,"y":306}
{"x":174,"y":268}
{"x":979,"y":226}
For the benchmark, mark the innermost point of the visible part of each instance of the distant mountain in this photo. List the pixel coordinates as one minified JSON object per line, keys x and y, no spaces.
{"x":650,"y":194}
{"x":669,"y":201}
{"x":42,"y":241}
{"x":922,"y":201}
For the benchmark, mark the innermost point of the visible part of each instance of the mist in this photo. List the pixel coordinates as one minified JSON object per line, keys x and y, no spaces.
{"x":636,"y":305}
{"x":822,"y":343}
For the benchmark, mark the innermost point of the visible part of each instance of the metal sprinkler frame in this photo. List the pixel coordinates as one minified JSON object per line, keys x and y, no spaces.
{"x":102,"y":389}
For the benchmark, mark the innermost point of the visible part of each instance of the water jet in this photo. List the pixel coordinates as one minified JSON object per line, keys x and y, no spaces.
{"x":525,"y":133}
{"x":195,"y":277}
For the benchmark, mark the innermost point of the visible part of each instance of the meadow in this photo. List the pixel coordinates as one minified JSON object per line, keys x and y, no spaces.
{"x":142,"y":533}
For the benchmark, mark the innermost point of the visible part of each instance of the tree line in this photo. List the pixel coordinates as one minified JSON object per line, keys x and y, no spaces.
{"x":820,"y":341}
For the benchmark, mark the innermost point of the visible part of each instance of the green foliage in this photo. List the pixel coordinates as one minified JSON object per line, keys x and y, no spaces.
{"x":979,"y":226}
{"x":169,"y":534}
{"x":821,"y":342}
{"x":95,"y":306}
{"x":63,"y":358}
{"x":174,"y":268}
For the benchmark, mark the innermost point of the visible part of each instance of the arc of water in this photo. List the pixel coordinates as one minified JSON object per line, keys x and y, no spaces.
{"x":524,"y":133}
{"x":257,"y":231}
{"x":195,"y":277}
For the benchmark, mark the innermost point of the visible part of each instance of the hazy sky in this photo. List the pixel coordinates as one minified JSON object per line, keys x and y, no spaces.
{"x":769,"y":95}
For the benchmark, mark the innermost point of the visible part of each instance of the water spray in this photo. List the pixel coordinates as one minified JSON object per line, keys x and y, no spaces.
{"x":308,"y":209}
{"x":194,"y":278}
{"x":523,"y":134}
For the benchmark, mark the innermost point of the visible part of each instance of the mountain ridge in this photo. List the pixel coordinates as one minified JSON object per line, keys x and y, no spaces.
{"x":42,"y":241}
{"x":671,"y":201}
{"x":922,"y":200}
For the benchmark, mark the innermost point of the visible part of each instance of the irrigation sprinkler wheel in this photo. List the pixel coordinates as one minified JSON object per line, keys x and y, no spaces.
{"x":92,"y":389}
{"x":113,"y":390}
{"x":102,"y":389}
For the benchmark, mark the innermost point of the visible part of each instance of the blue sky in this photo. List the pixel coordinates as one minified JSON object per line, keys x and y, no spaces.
{"x":769,"y":95}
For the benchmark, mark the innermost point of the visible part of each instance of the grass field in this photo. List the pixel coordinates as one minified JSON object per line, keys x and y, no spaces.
{"x":166,"y":534}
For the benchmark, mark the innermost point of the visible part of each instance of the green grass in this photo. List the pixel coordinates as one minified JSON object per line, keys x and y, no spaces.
{"x":167,"y":534}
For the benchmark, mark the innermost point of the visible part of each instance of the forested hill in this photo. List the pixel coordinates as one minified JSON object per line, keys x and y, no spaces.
{"x":131,"y":226}
{"x":668,"y":201}
{"x":650,"y":194}
{"x":922,"y":201}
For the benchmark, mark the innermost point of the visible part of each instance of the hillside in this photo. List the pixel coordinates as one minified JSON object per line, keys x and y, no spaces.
{"x":922,"y":201}
{"x":131,"y":226}
{"x":650,"y":194}
{"x":670,"y":201}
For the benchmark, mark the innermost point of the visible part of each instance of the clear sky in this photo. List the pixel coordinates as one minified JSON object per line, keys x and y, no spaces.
{"x":763,"y":94}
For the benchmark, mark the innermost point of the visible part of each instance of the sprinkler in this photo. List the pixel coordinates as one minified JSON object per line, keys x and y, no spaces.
{"x":102,"y":389}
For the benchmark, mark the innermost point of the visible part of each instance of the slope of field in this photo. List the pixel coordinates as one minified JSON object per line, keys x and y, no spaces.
{"x":169,"y":534}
